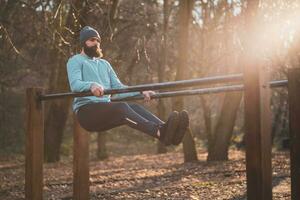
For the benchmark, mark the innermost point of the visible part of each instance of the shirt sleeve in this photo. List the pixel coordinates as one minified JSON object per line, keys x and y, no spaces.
{"x":74,"y":70}
{"x":117,"y":84}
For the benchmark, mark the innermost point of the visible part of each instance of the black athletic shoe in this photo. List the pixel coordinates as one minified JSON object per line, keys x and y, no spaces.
{"x":167,"y":131}
{"x":182,"y":127}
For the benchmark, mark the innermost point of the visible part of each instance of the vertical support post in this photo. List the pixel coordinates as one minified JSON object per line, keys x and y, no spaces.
{"x":294,"y":114}
{"x":258,"y":133}
{"x":34,"y":148}
{"x":81,"y":162}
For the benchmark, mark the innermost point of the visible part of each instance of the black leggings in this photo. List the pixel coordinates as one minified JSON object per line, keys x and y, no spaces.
{"x":103,"y":116}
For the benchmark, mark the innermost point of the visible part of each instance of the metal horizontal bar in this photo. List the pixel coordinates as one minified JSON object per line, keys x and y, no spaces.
{"x":279,"y":83}
{"x":154,"y":86}
{"x":202,"y":91}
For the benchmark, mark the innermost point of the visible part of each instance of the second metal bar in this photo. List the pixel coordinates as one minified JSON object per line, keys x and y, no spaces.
{"x":202,"y":91}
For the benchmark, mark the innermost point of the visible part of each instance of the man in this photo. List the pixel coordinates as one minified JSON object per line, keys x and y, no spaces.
{"x":88,"y":72}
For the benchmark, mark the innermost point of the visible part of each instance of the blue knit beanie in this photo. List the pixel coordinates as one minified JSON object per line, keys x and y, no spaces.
{"x":86,"y":33}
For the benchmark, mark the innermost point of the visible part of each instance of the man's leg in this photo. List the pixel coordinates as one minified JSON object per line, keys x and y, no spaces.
{"x":145,"y":113}
{"x":106,"y":115}
{"x":182,"y":126}
{"x":171,"y":128}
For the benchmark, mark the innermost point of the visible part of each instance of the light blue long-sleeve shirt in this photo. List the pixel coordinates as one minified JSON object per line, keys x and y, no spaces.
{"x":83,"y":71}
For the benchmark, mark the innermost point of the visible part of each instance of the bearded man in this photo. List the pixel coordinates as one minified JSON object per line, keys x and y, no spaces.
{"x":87,"y":71}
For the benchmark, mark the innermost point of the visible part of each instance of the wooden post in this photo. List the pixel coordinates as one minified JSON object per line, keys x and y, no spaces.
{"x":81,"y":162}
{"x":34,"y":152}
{"x":258,"y":133}
{"x":294,"y":114}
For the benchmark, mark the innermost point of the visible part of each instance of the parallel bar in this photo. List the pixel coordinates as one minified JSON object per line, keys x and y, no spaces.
{"x":81,"y":162}
{"x":155,"y":86}
{"x":294,"y":114}
{"x":35,"y":132}
{"x":202,"y":91}
{"x":34,"y":152}
{"x":273,"y":84}
{"x":279,"y":83}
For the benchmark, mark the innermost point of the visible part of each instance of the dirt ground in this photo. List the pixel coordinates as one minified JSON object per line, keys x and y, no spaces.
{"x":162,"y":176}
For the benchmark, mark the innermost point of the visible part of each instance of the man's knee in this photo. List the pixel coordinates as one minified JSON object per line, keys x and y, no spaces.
{"x":135,"y":105}
{"x":122,"y":107}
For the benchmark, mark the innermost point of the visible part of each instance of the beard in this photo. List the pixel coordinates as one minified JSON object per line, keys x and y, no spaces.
{"x":93,"y":51}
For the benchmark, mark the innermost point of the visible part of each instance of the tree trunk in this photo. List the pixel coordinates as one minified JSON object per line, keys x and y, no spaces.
{"x":101,"y":144}
{"x":207,"y":121}
{"x":185,"y":10}
{"x":277,"y":120}
{"x":189,"y":147}
{"x":161,"y":148}
{"x":224,"y":128}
